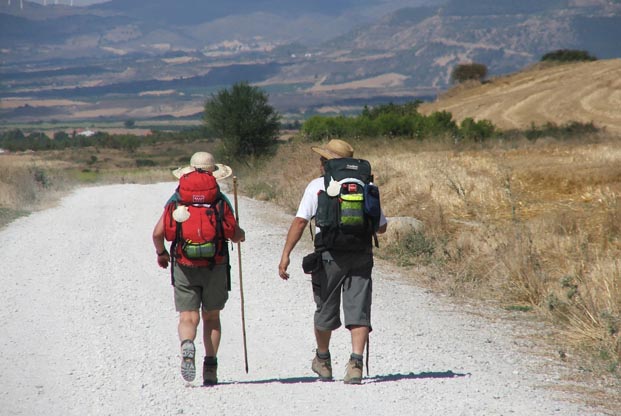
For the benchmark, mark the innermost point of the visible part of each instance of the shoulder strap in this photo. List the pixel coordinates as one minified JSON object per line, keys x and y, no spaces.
{"x":219,"y":208}
{"x":311,"y":230}
{"x":173,"y":245}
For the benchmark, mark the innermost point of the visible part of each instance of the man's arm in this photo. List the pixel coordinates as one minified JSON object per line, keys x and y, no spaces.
{"x":240,"y":234}
{"x":293,"y":236}
{"x":232,"y":229}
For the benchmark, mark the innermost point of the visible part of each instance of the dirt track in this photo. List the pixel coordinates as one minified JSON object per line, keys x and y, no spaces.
{"x":87,"y":327}
{"x":584,"y":92}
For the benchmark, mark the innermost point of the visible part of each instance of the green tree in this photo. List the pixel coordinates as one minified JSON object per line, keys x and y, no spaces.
{"x":465,"y":72}
{"x":244,"y":120}
{"x":61,"y":140}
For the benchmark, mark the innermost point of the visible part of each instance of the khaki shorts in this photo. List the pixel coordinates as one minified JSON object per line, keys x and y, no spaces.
{"x":200,"y":286}
{"x":347,"y":274}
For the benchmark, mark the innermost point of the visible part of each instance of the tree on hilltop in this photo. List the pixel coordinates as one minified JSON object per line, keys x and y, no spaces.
{"x":466,"y":72}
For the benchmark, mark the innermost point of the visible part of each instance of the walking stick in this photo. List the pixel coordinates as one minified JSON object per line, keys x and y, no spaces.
{"x":367,"y":355}
{"x":241,"y":284}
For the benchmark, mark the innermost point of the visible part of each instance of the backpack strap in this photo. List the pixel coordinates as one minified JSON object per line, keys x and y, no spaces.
{"x":173,"y":247}
{"x":310,"y":228}
{"x":224,"y":247}
{"x":219,"y":209}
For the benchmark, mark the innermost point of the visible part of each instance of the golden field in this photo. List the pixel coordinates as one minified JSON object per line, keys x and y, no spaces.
{"x":546,"y":93}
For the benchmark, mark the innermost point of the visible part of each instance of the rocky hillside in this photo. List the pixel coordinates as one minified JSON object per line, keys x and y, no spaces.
{"x":426,"y":43}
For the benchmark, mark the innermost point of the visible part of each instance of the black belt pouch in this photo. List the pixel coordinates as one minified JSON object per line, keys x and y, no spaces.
{"x":312,"y":262}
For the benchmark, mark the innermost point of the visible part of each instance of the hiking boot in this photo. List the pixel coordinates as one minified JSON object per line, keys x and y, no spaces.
{"x":354,"y":372}
{"x":210,"y":371}
{"x":188,"y":369}
{"x":323,"y":368}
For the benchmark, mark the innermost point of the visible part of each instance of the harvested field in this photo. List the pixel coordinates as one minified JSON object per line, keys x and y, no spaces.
{"x":583,"y":92}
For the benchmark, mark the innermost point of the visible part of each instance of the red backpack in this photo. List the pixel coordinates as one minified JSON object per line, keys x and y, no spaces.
{"x":198,"y":241}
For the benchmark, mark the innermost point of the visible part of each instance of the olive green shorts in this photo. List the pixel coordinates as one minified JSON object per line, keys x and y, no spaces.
{"x":197,"y":287}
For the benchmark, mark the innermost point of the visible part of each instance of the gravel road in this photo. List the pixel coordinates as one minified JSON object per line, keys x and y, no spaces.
{"x":88,"y":327}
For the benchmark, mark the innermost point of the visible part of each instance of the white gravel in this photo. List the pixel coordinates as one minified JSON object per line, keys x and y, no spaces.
{"x":88,"y":327}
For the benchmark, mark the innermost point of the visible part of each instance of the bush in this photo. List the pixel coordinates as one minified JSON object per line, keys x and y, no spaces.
{"x":391,"y":125}
{"x":476,"y":130}
{"x":466,"y":72}
{"x":440,"y":122}
{"x":568,"y":55}
{"x":318,"y":128}
{"x":41,"y":177}
{"x":565,"y":131}
{"x":407,"y":109}
{"x":389,"y":120}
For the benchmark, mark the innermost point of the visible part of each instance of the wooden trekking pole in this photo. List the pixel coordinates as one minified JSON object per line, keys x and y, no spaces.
{"x":367,"y":355}
{"x":241,"y":284}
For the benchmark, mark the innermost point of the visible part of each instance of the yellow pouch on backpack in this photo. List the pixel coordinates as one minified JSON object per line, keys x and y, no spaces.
{"x":199,"y":251}
{"x":352,"y":210}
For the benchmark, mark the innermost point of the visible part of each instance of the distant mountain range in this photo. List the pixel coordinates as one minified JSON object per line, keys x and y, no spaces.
{"x":306,"y":54}
{"x":180,"y":21}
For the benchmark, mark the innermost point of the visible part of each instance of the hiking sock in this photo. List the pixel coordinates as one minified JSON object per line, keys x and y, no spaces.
{"x":323,"y":355}
{"x":356,"y":357}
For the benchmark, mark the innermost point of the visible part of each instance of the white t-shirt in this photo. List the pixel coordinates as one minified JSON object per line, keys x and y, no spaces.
{"x":308,"y":205}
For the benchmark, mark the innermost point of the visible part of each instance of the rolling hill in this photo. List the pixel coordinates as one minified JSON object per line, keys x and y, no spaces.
{"x":583,"y":92}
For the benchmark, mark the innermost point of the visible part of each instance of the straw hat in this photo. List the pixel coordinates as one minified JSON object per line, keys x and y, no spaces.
{"x":204,"y":161}
{"x":334,"y":149}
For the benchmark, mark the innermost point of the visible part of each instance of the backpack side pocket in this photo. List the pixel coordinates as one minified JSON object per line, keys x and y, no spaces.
{"x":372,"y":204}
{"x":327,"y":211}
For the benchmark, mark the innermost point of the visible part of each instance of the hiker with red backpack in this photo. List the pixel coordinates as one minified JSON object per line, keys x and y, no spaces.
{"x":346,"y":207}
{"x":199,"y":221}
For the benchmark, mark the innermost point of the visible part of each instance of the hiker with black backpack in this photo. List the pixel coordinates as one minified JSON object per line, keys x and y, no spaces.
{"x":346,"y":207}
{"x":199,"y":221}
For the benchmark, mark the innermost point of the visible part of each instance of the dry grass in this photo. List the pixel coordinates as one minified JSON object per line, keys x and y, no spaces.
{"x":528,"y":225}
{"x":32,"y":181}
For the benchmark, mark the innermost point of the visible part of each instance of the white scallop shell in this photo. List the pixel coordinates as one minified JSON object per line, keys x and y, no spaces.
{"x":181,"y":213}
{"x":334,"y":187}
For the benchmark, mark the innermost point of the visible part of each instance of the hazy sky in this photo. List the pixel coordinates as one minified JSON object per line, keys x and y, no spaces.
{"x":75,"y":2}
{"x":399,"y":3}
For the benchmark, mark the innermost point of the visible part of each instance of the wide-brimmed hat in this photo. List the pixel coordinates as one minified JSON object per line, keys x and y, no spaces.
{"x":204,"y":161}
{"x":334,"y":149}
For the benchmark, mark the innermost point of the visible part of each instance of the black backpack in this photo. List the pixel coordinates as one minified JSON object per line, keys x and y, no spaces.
{"x":349,"y":209}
